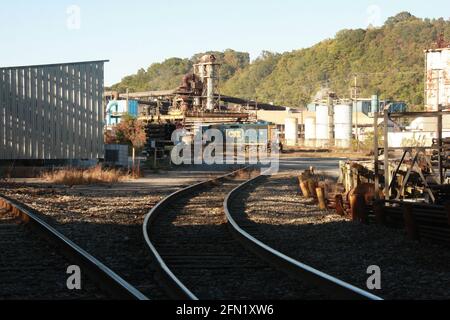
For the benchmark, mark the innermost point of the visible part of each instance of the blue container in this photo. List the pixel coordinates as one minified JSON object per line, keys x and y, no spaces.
{"x":133,"y":108}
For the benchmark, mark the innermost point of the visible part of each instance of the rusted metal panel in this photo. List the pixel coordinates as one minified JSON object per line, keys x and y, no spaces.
{"x":52,"y":112}
{"x":437,"y":78}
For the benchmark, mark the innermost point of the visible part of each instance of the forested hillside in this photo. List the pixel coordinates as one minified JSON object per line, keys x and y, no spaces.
{"x":389,"y":60}
{"x":168,"y":74}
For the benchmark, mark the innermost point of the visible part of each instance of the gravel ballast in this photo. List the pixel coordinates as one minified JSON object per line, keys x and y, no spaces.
{"x":285,"y":220}
{"x":107,"y":220}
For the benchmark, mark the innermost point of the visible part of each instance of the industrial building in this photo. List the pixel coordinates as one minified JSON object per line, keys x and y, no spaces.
{"x":52,"y":112}
{"x":315,"y":127}
{"x":437,"y":88}
{"x":117,"y":109}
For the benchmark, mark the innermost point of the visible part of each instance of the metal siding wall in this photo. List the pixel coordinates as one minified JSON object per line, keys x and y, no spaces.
{"x":52,"y":112}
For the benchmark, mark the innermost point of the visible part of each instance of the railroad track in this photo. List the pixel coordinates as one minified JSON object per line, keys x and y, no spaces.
{"x":203,"y":253}
{"x":34,"y":269}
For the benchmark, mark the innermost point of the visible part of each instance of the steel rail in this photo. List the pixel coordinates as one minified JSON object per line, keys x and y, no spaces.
{"x":174,"y":287}
{"x":328,"y":284}
{"x":104,"y":277}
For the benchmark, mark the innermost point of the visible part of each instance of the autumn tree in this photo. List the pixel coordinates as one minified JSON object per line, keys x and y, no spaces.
{"x":131,"y":131}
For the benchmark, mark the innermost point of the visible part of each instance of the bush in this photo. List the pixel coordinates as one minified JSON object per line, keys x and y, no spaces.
{"x":95,"y":175}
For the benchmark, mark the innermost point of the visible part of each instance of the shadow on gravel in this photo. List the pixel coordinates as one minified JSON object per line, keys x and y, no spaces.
{"x":120,"y":246}
{"x":410,"y":270}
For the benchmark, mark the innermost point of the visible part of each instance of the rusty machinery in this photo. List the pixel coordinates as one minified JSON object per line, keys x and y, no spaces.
{"x":199,"y":91}
{"x":420,"y":172}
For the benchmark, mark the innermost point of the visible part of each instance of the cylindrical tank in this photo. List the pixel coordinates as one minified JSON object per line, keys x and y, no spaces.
{"x":343,"y":121}
{"x":291,"y":132}
{"x":322,"y":126}
{"x":310,"y":132}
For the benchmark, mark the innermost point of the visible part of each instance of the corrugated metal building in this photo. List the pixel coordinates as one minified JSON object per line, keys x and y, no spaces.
{"x":52,"y":112}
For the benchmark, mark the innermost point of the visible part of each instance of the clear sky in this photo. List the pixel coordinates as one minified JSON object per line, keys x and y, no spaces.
{"x":135,"y":33}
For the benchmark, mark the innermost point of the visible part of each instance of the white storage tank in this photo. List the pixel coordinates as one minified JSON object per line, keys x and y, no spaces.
{"x":322,"y":126}
{"x":310,"y":132}
{"x":343,"y":122}
{"x":291,"y":132}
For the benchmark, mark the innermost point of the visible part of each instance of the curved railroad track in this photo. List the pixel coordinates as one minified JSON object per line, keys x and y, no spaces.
{"x":31,"y":268}
{"x":247,"y":235}
{"x":198,"y":257}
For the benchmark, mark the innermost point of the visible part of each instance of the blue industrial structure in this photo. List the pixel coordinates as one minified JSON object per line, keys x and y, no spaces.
{"x":116,"y":109}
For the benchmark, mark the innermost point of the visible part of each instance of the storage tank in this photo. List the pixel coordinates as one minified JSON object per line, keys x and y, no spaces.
{"x":343,"y":121}
{"x":322,"y":126}
{"x":291,"y":132}
{"x":310,"y":132}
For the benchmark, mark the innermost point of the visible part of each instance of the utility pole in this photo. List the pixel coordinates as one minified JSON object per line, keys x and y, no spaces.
{"x":376,"y":153}
{"x":387,"y":169}
{"x":439,"y":126}
{"x":355,"y":99}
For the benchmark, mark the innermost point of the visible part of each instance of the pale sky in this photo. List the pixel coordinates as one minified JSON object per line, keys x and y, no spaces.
{"x":135,"y":33}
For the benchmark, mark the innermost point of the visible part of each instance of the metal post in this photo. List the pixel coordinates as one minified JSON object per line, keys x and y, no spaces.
{"x":440,"y":147}
{"x":439,"y":126}
{"x":356,"y":114}
{"x":376,"y":156}
{"x":387,"y":174}
{"x":158,"y":109}
{"x":330,"y":121}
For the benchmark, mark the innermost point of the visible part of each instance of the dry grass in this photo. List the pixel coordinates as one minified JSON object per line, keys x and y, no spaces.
{"x":95,"y":175}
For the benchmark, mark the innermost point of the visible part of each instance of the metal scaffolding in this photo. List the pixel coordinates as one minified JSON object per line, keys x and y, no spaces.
{"x":394,"y":183}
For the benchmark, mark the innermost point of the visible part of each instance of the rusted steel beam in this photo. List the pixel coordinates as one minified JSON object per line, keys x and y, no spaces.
{"x":358,"y":208}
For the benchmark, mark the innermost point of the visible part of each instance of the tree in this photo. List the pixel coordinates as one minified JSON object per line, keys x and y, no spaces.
{"x":131,"y":131}
{"x":402,"y":16}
